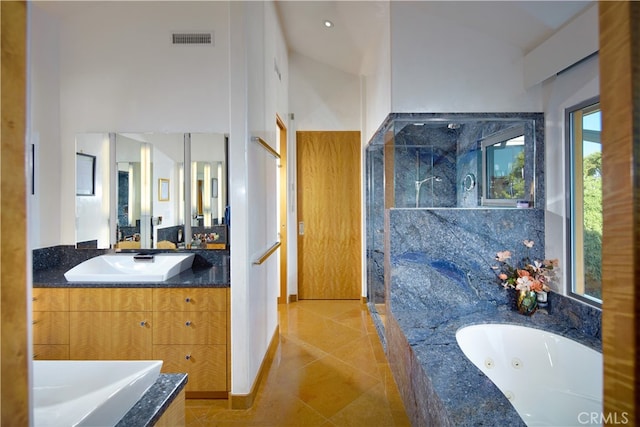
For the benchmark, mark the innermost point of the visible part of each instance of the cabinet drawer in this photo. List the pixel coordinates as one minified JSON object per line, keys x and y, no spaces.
{"x":131,"y":299}
{"x":95,"y":299}
{"x":190,"y":328}
{"x":51,"y":327}
{"x":46,"y":299}
{"x":190,"y":299}
{"x":131,"y":335}
{"x":110,"y":299}
{"x":206,"y":365}
{"x":50,"y":352}
{"x":89,"y":335}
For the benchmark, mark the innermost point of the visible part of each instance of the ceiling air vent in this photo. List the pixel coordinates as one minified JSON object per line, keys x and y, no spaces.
{"x":192,"y":38}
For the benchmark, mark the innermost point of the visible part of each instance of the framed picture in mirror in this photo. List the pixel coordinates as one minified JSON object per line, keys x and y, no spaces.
{"x":163,"y":190}
{"x":85,"y":175}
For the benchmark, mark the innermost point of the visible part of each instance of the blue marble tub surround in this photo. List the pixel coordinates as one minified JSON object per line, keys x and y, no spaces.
{"x":447,"y":145}
{"x":441,"y":280}
{"x":148,"y":410}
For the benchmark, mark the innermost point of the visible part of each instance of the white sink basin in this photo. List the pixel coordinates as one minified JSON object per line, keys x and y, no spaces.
{"x":125,"y":268}
{"x":89,"y":392}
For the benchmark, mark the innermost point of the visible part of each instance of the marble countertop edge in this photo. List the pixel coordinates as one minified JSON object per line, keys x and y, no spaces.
{"x":152,"y":405}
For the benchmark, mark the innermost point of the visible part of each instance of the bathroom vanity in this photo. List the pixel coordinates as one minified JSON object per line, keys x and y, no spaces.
{"x":183,"y":321}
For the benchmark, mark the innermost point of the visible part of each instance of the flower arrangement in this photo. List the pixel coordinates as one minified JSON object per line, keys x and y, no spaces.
{"x":530,"y":275}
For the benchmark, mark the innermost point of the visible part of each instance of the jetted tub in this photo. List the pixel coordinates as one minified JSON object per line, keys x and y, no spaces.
{"x":89,"y":393}
{"x":550,"y":380}
{"x":126,"y":268}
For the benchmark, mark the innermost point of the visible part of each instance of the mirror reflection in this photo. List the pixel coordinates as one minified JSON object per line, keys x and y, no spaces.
{"x":139,"y":199}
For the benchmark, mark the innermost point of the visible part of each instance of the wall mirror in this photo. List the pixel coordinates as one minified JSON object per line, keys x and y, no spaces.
{"x":139,"y":189}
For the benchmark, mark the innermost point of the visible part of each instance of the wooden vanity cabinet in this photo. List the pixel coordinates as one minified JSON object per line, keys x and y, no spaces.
{"x":187,"y":328}
{"x":50,"y":323}
{"x":190,"y":335}
{"x":110,"y":323}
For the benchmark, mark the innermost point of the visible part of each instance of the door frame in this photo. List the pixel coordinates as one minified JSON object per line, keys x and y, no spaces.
{"x":282,"y":232}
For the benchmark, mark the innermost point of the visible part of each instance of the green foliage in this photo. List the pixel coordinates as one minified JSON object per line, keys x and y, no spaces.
{"x":512,"y":186}
{"x":592,"y":164}
{"x":592,"y":210}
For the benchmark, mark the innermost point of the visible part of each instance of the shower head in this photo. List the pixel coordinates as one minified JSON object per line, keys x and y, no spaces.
{"x":435,"y":178}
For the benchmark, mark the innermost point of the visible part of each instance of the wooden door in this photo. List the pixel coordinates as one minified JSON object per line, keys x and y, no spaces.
{"x":329,"y":215}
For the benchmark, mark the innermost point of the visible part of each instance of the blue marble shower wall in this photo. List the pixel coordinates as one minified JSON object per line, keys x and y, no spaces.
{"x":419,"y":161}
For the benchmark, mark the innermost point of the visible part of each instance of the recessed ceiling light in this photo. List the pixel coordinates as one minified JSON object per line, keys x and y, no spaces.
{"x":328,"y":23}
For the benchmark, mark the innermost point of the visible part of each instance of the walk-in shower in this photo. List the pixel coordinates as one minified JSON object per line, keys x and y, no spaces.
{"x":422,"y":161}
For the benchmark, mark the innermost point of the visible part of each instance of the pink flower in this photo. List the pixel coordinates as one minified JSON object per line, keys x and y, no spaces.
{"x":503,"y":276}
{"x":503,"y":256}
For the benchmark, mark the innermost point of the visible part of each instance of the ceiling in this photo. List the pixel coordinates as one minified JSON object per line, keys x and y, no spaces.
{"x":357,"y":24}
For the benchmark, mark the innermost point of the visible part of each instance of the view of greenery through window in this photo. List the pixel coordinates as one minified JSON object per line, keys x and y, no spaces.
{"x":586,"y":202}
{"x":592,"y":205}
{"x":506,"y":164}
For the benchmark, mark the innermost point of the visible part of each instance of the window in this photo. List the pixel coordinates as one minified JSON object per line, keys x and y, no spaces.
{"x":585,"y":202}
{"x":503,"y":164}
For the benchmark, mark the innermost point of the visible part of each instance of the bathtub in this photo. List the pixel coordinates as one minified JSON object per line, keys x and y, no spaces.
{"x":127,"y":268}
{"x":88,"y":393}
{"x":550,"y":380}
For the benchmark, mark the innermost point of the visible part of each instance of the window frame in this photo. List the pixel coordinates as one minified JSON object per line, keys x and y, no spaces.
{"x":573,"y":151}
{"x":498,"y":138}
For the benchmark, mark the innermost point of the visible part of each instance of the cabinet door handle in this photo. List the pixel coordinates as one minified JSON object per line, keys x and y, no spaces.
{"x":188,"y":323}
{"x":187,"y":300}
{"x":188,"y":357}
{"x":143,"y":323}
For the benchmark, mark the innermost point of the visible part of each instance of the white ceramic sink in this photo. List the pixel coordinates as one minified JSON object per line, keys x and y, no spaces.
{"x":125,"y":268}
{"x":89,"y":392}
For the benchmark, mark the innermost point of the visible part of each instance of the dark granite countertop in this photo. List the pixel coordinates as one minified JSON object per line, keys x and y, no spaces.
{"x":148,"y":410}
{"x":429,"y":309}
{"x":196,"y":277}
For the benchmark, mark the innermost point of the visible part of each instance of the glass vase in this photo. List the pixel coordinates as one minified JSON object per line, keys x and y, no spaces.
{"x":527,"y":302}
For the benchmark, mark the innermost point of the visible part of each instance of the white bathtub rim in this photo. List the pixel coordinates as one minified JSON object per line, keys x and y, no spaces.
{"x":580,"y":338}
{"x":502,"y":375}
{"x":97,"y":406}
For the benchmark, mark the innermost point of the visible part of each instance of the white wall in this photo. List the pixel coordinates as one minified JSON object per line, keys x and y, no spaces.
{"x":565,"y":90}
{"x":323,"y":97}
{"x":377,"y":104}
{"x":118,"y":71}
{"x":440,"y":66}
{"x":44,"y":128}
{"x":259,"y":94}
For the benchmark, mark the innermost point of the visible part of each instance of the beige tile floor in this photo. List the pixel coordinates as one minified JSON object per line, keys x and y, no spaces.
{"x":329,"y":370}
